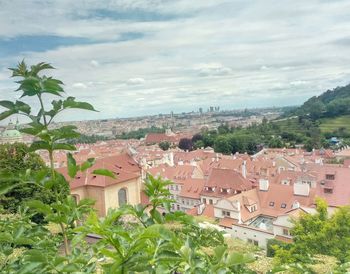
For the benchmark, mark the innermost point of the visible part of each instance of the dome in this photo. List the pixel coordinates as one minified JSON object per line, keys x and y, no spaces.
{"x":11,"y":133}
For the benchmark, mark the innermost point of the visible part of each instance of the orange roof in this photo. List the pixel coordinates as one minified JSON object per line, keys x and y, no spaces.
{"x":123,"y":166}
{"x":227,"y":222}
{"x":192,"y":188}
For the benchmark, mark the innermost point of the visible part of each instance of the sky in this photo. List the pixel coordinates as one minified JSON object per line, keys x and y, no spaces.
{"x":141,"y":57}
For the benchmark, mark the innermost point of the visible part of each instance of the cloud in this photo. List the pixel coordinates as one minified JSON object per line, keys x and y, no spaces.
{"x":79,"y":86}
{"x":212,"y":69}
{"x":135,"y":81}
{"x":155,"y":56}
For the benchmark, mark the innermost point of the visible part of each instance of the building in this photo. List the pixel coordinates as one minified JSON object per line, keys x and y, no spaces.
{"x":106,"y":191}
{"x":11,"y":134}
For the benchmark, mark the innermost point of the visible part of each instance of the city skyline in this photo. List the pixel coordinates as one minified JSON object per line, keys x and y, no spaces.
{"x":150,"y":57}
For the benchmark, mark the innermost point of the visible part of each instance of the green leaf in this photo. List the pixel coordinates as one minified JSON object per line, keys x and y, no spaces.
{"x":6,"y":186}
{"x":35,"y":69}
{"x":39,"y":206}
{"x":104,"y":172}
{"x":71,"y":103}
{"x":72,"y":166}
{"x":61,"y":146}
{"x":21,"y":106}
{"x":37,"y":145}
{"x":6,"y":114}
{"x":52,"y":86}
{"x":7,"y":104}
{"x":87,"y":164}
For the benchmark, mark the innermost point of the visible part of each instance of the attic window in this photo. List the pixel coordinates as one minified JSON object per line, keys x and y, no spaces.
{"x":77,"y":177}
{"x":283,"y":205}
{"x":271,"y":203}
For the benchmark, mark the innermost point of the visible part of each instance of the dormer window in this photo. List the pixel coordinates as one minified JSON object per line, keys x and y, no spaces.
{"x":225,"y":190}
{"x":283,"y":205}
{"x":271,"y":203}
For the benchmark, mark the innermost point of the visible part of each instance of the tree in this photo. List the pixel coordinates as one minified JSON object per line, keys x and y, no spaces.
{"x":222,"y":145}
{"x":319,"y":233}
{"x":16,"y":158}
{"x":164,"y":145}
{"x":186,"y":144}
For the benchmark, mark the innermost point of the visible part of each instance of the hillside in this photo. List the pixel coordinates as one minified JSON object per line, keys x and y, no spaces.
{"x":331,"y":103}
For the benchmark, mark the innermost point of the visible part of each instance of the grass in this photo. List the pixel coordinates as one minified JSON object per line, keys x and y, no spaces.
{"x":332,"y":124}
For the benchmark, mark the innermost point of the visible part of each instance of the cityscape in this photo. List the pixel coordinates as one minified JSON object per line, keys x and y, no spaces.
{"x":171,"y":157}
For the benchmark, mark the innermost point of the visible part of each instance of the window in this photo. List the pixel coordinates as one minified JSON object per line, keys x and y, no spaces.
{"x":256,"y":243}
{"x":204,"y":201}
{"x":271,"y":203}
{"x":253,"y":208}
{"x":183,"y":201}
{"x":122,"y":197}
{"x":178,"y":207}
{"x":330,"y":177}
{"x":224,"y":190}
{"x":328,"y":190}
{"x":250,"y":241}
{"x":283,"y":205}
{"x":226,"y":213}
{"x":285,"y":232}
{"x":210,"y":201}
{"x":176,"y":187}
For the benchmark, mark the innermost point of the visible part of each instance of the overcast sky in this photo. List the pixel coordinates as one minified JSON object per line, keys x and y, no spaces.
{"x":139,"y":57}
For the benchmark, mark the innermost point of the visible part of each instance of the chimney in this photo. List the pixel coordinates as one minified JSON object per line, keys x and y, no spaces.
{"x":263,"y":184}
{"x":301,"y":189}
{"x":244,"y":169}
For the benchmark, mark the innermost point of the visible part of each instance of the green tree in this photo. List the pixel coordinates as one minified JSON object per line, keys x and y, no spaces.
{"x":318,"y":233}
{"x":222,"y":145}
{"x":16,"y":159}
{"x":164,"y":145}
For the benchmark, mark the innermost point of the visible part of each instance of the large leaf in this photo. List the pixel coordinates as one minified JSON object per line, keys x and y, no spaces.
{"x":30,"y":86}
{"x":35,"y":69}
{"x":87,"y":164}
{"x":7,"y":104}
{"x":62,"y":146}
{"x":51,"y":85}
{"x":104,"y":172}
{"x":71,"y":103}
{"x":38,"y":145}
{"x":21,"y":106}
{"x":6,"y":186}
{"x":39,"y":206}
{"x":72,"y":166}
{"x":6,"y":114}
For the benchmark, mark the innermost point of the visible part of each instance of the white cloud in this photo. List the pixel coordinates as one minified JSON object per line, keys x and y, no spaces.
{"x":79,"y":86}
{"x":136,"y":81}
{"x":248,"y":54}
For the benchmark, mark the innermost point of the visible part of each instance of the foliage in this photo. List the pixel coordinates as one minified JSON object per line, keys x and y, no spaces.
{"x":164,"y":145}
{"x":157,"y":243}
{"x":143,"y":238}
{"x":140,"y":133}
{"x":15,"y":159}
{"x":319,"y":233}
{"x":186,"y":144}
{"x":87,"y":139}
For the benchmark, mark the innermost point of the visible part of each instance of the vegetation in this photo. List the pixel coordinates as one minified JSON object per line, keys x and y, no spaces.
{"x":133,"y":238}
{"x":317,"y":234}
{"x":186,"y":144}
{"x":16,"y":159}
{"x":164,"y":145}
{"x":87,"y":139}
{"x":140,"y":133}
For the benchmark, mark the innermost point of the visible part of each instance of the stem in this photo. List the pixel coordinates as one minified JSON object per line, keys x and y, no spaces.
{"x":42,"y":107}
{"x":65,"y":239}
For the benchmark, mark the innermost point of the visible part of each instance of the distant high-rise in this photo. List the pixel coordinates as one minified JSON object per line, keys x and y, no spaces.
{"x":200,"y":110}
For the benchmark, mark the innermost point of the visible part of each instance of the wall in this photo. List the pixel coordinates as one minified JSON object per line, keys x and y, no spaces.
{"x":244,"y":233}
{"x":133,"y":193}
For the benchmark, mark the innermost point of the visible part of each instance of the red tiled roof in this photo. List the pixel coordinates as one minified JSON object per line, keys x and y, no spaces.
{"x":123,"y":166}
